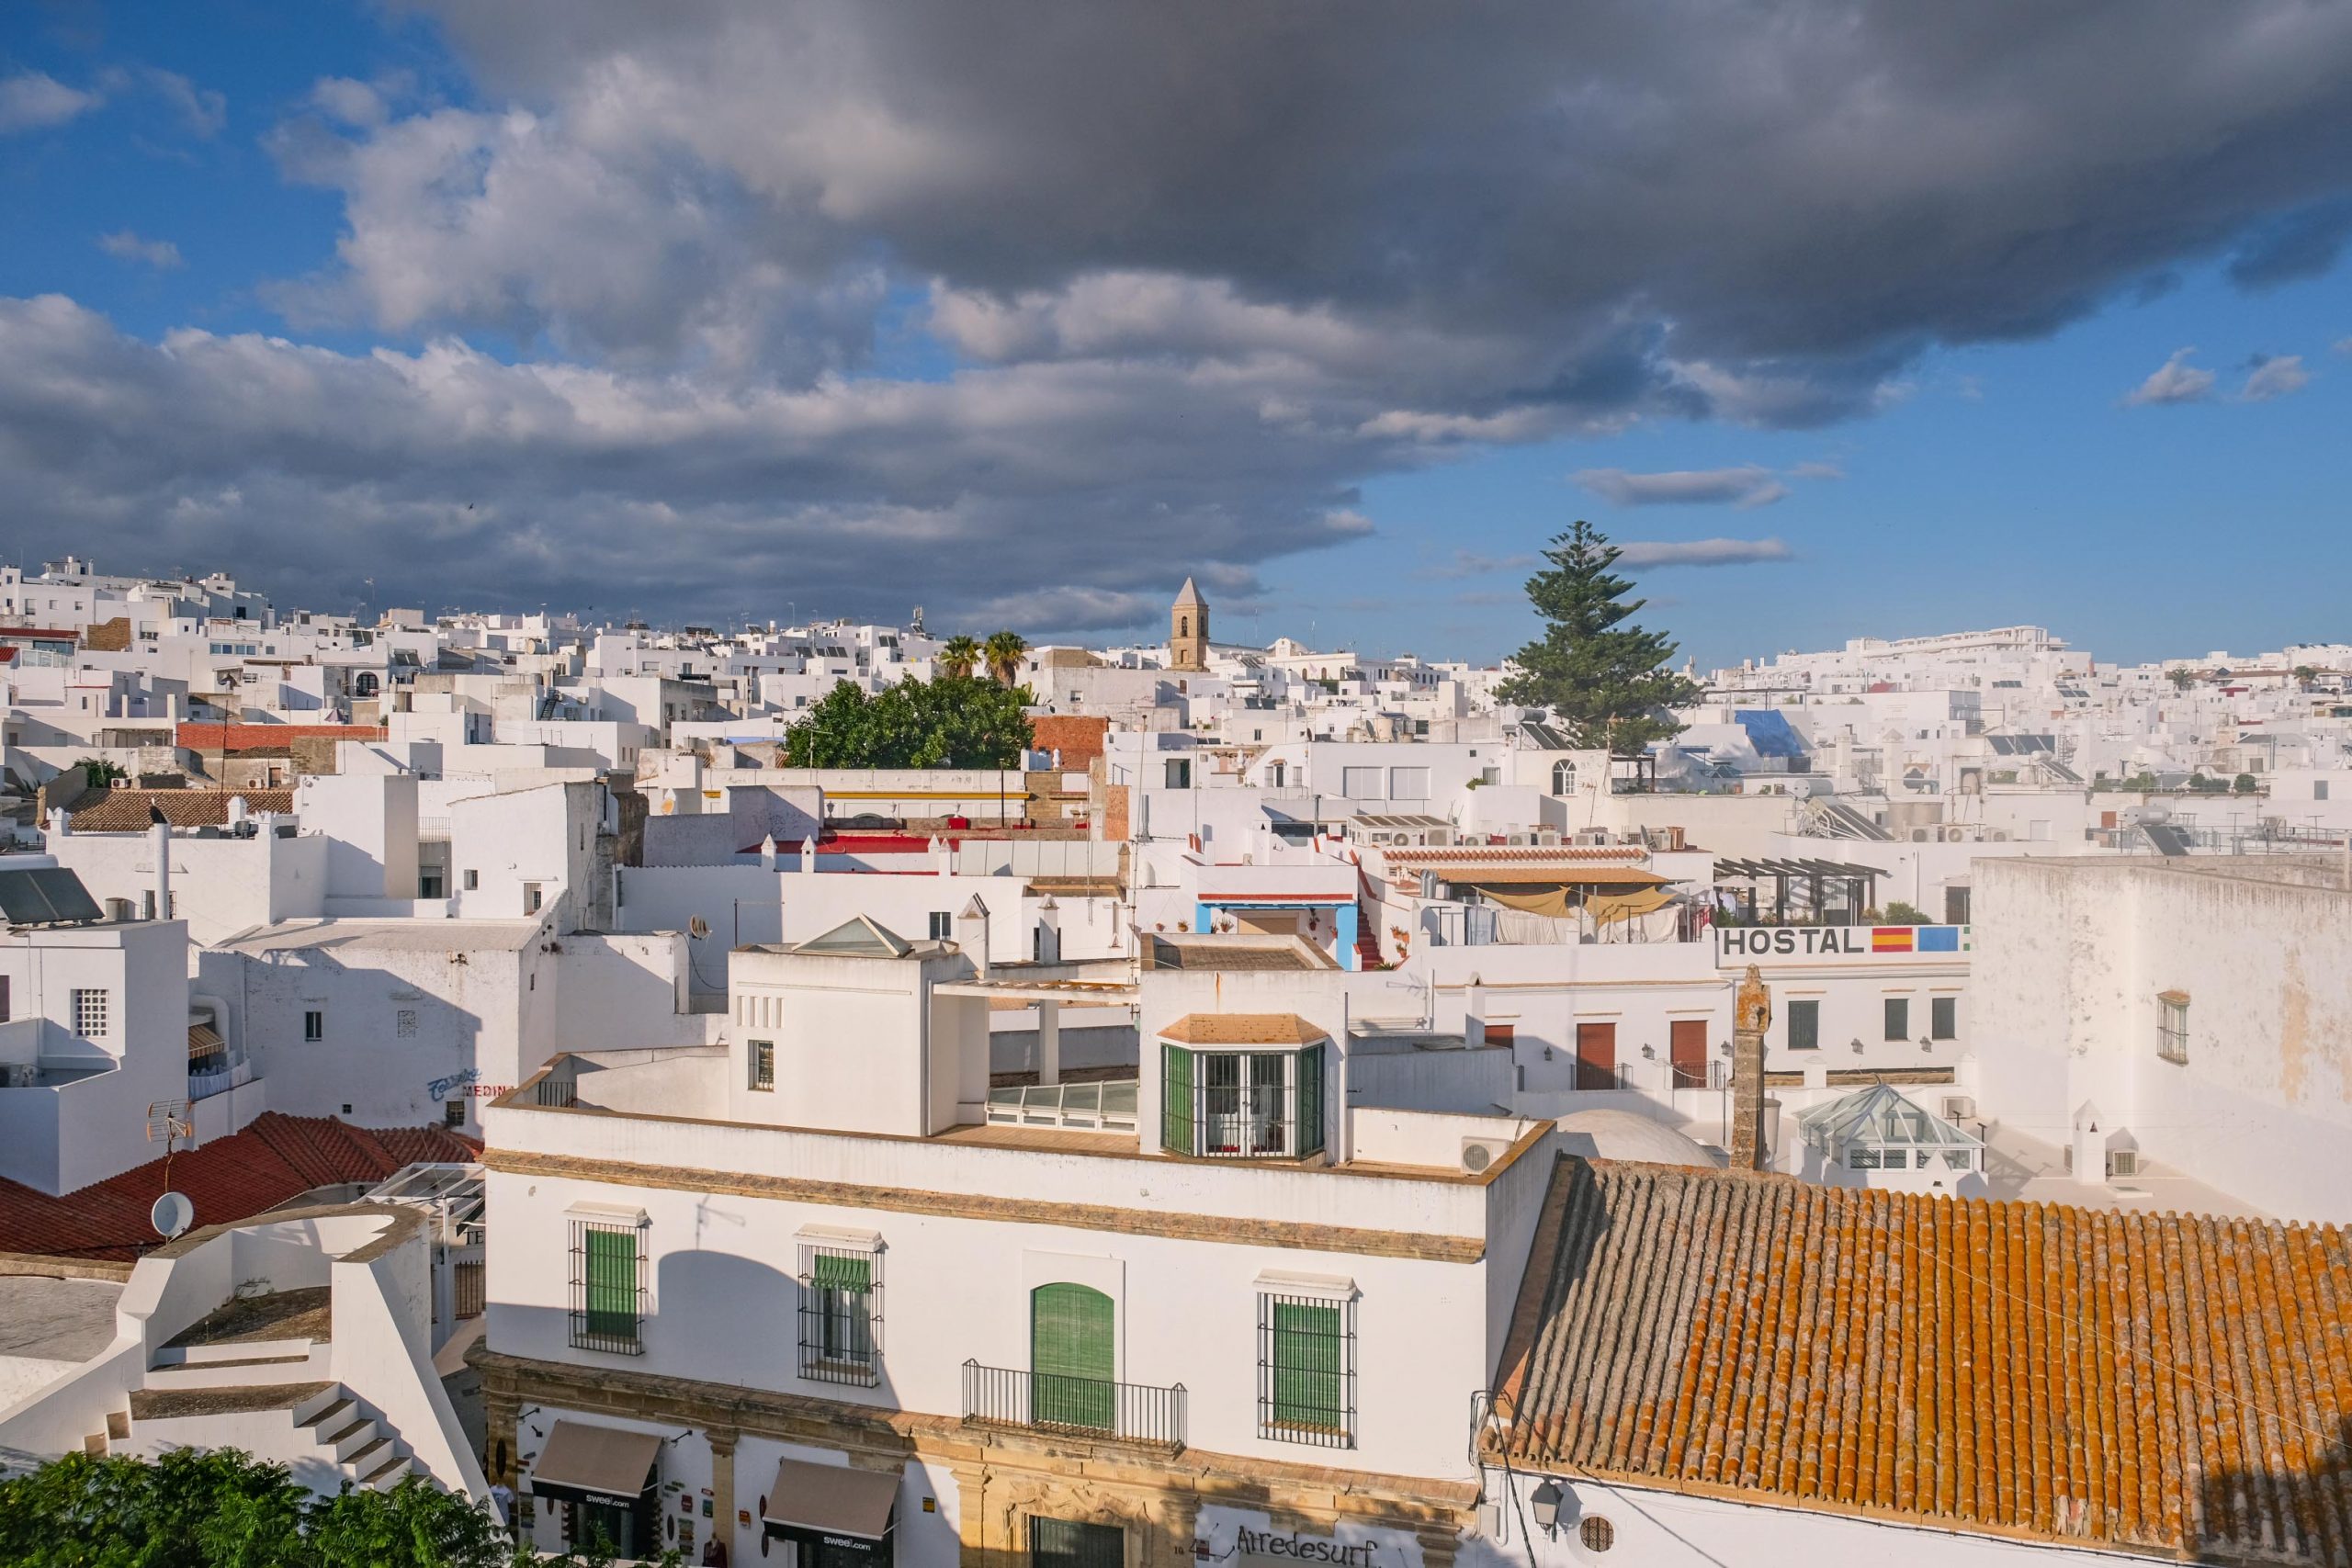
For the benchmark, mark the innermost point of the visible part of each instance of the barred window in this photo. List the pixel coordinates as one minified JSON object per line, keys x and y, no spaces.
{"x":763,"y":1063}
{"x":90,"y":1014}
{"x":840,"y":1314}
{"x":1306,"y":1373}
{"x":2172,"y":1026}
{"x":607,"y":1285}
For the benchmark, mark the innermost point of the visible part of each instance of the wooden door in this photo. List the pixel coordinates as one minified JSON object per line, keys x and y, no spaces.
{"x":1595,"y":1055}
{"x":1687,"y":1045}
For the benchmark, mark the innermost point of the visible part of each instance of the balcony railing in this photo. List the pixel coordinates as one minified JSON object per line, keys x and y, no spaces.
{"x":1001,"y":1396}
{"x":1103,"y":1107}
{"x":203,"y":1086}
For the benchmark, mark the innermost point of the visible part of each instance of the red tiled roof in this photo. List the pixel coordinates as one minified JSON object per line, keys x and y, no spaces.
{"x":1077,"y":737}
{"x":125,"y":810}
{"x":2151,"y":1382}
{"x":196,"y":735}
{"x":228,"y":1179}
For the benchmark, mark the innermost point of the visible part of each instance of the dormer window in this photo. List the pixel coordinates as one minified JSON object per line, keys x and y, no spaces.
{"x":1262,"y":1099}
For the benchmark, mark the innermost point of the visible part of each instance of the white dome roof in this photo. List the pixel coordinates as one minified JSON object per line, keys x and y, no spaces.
{"x":1629,"y":1135}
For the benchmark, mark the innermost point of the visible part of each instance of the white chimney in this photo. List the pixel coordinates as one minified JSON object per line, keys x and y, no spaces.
{"x":159,"y":844}
{"x":767,"y":852}
{"x":972,"y":934}
{"x":809,"y":854}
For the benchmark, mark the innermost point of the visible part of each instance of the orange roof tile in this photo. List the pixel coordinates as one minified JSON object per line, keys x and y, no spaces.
{"x":198,"y":736}
{"x":2142,"y":1381}
{"x":126,"y":810}
{"x":1243,"y":1029}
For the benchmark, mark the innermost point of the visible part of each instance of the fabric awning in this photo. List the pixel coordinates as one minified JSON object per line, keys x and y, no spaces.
{"x":203,"y":1040}
{"x":1609,"y":908}
{"x":587,"y":1464}
{"x":1550,"y":876}
{"x":831,"y":1499}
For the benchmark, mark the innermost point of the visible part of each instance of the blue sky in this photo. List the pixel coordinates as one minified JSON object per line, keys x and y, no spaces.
{"x":514,"y":304}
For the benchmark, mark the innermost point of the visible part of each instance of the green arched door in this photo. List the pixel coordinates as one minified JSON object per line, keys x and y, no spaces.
{"x":1073,"y":1361}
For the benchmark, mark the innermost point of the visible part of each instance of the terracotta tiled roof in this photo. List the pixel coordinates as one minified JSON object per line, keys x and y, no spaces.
{"x":229,"y":1178}
{"x":1243,"y":1029}
{"x":2151,"y":1382}
{"x":198,"y":736}
{"x":125,"y":810}
{"x":1077,"y":737}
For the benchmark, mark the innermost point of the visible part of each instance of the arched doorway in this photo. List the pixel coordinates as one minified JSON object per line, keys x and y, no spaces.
{"x":1073,"y":1358}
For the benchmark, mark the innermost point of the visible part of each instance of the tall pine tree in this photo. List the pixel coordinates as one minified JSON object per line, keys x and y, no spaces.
{"x":1604,"y":678}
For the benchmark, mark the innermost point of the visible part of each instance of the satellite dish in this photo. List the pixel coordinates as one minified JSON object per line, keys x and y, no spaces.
{"x":172,"y":1214}
{"x":698,"y":928}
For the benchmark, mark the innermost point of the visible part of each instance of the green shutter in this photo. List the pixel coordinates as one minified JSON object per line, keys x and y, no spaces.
{"x":1309,"y":1352}
{"x":612,"y":1282}
{"x":1310,"y":1100}
{"x":1072,"y":1361}
{"x":831,"y":1271}
{"x":1176,"y":1100}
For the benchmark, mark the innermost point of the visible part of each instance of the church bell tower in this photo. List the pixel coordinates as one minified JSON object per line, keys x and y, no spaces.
{"x":1188,"y":630}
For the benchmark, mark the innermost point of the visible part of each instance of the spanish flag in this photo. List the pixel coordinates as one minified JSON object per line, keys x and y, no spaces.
{"x":1889,"y":938}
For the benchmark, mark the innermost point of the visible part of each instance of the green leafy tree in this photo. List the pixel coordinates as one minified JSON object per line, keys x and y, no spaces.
{"x":2244,"y":783}
{"x":959,"y":657}
{"x":1003,"y":653}
{"x":1899,"y":913}
{"x":2304,"y":676}
{"x":100,"y":771}
{"x":948,"y":722}
{"x":1603,"y":678}
{"x":219,"y":1508}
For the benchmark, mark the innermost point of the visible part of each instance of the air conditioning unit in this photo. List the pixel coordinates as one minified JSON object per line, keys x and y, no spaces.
{"x":1922,"y":835}
{"x":1959,"y":1107}
{"x":1952,"y":835}
{"x":2122,"y":1162}
{"x":1999,"y":835}
{"x":1479,"y":1155}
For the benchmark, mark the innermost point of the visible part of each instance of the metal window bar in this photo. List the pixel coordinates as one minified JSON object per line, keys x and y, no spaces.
{"x":1249,"y":1105}
{"x":2172,"y":1035}
{"x":841,"y":1316}
{"x":1306,"y":1369}
{"x":608,"y":1268}
{"x":1006,"y":1396}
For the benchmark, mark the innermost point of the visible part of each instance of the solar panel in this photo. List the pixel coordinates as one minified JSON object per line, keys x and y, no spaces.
{"x":46,"y":895}
{"x":66,"y":895}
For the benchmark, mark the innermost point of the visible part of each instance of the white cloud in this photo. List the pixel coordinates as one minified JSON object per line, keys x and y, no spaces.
{"x":205,"y":110}
{"x":1745,"y":487}
{"x":162,"y":254}
{"x":2275,"y":376}
{"x":32,"y":100}
{"x":2174,"y":381}
{"x":1702,"y":552}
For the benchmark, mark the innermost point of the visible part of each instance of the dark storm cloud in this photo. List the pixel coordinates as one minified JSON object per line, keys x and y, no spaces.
{"x":1197,"y":270}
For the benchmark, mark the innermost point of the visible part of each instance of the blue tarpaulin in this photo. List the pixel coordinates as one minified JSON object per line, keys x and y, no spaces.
{"x":1769,"y":732}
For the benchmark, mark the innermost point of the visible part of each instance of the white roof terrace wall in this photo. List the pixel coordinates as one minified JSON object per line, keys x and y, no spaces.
{"x":1432,"y":1265}
{"x":219,"y":886}
{"x":854,"y":1039}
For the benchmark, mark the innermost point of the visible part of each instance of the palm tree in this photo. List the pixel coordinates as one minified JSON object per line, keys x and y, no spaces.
{"x":1003,"y":651}
{"x":960,"y":657}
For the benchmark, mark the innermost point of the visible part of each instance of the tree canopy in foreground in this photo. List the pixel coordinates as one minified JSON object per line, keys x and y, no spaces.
{"x":1604,"y":678}
{"x":219,"y":1508}
{"x":952,"y":721}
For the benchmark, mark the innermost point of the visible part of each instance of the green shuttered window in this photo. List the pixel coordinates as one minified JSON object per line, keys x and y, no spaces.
{"x":841,"y":1316}
{"x":1072,"y":1358}
{"x":1306,"y":1369}
{"x":607,"y":1293}
{"x":1175,"y":1100}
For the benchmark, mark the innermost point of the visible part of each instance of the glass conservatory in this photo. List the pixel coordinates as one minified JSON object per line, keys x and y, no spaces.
{"x":1879,"y":1128}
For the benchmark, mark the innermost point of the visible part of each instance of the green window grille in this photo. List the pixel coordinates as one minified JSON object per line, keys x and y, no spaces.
{"x":1072,"y":1358}
{"x":841,"y":1317}
{"x":1306,"y":1369}
{"x":608,"y":1290}
{"x":1898,"y":1019}
{"x":1176,"y":1099}
{"x":1068,"y":1543}
{"x":1310,"y":1100}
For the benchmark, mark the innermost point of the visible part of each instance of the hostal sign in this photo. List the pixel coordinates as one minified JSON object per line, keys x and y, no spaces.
{"x":1762,"y":944}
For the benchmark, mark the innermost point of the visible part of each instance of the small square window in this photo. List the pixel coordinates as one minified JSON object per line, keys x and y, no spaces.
{"x":404,"y":1023}
{"x":453,"y":1113}
{"x":942,"y":926}
{"x":763,"y":1063}
{"x":314,"y":1026}
{"x":473,"y":880}
{"x":90,"y":1014}
{"x":1943,"y":1018}
{"x":1805,"y":1025}
{"x":1898,"y":1019}
{"x":2172,"y":1026}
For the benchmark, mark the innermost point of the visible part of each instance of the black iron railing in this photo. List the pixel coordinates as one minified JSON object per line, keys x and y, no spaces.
{"x":1001,"y":1396}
